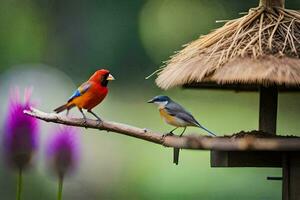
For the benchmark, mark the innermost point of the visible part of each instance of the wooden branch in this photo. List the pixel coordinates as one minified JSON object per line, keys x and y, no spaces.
{"x":185,"y":142}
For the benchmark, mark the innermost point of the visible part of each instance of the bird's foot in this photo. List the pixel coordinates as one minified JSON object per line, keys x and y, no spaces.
{"x":84,"y":123}
{"x":168,"y":134}
{"x":99,"y":122}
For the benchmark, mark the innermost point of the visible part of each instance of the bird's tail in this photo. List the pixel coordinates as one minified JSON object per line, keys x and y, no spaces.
{"x":61,"y":108}
{"x":176,"y":155}
{"x":208,"y":131}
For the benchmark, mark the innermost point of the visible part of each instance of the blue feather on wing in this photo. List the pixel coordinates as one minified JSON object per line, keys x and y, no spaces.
{"x":80,"y":91}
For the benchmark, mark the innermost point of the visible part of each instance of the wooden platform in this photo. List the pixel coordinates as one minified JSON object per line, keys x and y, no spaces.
{"x":243,"y":141}
{"x":261,"y":150}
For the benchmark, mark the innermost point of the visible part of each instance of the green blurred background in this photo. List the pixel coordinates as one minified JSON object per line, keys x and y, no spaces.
{"x":54,"y":45}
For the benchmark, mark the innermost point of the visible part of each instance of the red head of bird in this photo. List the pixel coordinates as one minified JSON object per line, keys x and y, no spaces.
{"x":101,"y":76}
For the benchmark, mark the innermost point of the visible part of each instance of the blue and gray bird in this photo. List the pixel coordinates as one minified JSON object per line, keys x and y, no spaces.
{"x":175,"y":115}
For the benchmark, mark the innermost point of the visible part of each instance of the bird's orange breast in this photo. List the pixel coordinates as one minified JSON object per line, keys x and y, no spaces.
{"x":91,"y":98}
{"x":169,"y":119}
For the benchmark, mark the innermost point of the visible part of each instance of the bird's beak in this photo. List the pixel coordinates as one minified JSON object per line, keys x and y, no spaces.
{"x":110,"y":78}
{"x":150,"y":101}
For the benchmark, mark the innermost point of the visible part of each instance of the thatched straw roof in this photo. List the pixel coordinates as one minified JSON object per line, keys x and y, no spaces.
{"x":262,"y":47}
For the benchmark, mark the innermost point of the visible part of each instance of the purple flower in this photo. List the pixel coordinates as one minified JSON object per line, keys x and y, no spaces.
{"x":63,"y":151}
{"x":20,"y":132}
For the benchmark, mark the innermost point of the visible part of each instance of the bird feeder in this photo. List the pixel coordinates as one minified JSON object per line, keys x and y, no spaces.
{"x":259,"y":51}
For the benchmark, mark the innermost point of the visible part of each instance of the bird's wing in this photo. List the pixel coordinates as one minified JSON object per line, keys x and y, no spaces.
{"x":80,"y":91}
{"x":178,"y":111}
{"x":188,"y":118}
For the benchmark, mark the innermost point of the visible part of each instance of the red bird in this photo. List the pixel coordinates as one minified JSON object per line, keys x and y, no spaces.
{"x":89,"y":94}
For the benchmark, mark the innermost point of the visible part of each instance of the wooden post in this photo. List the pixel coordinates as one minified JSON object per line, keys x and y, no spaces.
{"x":291,"y":176}
{"x":285,"y":177}
{"x":268,"y":100}
{"x":272,"y":3}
